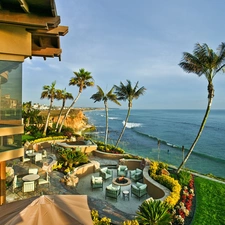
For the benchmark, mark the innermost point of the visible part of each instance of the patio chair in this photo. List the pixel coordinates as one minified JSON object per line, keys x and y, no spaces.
{"x":33,"y":170}
{"x":38,"y":157}
{"x":30,"y":151}
{"x":96,"y":182}
{"x":105,"y":173}
{"x":44,"y":153}
{"x":139,"y":190}
{"x":122,"y":171}
{"x":45,"y":180}
{"x":24,"y":160}
{"x":28,"y":186}
{"x":112,"y":191}
{"x":136,"y":174}
{"x":16,"y":183}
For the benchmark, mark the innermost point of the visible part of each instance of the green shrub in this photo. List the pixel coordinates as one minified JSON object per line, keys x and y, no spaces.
{"x":184,"y":178}
{"x":27,"y":137}
{"x":109,"y":148}
{"x":130,"y":222}
{"x":48,"y":139}
{"x":167,"y":181}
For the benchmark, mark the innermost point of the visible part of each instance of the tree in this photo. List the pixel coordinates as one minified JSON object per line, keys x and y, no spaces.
{"x":154,"y":212}
{"x":26,"y":111}
{"x":82,"y":80}
{"x":62,"y":95}
{"x":203,"y":61}
{"x":101,"y":96}
{"x":126,"y":92}
{"x":31,"y":117}
{"x":49,"y":92}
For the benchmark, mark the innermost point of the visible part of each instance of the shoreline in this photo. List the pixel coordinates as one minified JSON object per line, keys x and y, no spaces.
{"x":148,"y":132}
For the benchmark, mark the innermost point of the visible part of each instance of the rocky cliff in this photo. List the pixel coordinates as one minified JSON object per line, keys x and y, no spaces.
{"x":76,"y":120}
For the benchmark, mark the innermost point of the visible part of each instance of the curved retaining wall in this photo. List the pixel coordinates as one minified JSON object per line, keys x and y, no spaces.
{"x":155,"y":189}
{"x":106,"y":155}
{"x":86,"y":169}
{"x":132,"y":164}
{"x":42,"y":145}
{"x":82,"y":145}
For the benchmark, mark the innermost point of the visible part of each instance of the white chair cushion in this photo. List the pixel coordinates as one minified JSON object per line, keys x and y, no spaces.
{"x":134,"y":187}
{"x":142,"y":187}
{"x":93,"y":179}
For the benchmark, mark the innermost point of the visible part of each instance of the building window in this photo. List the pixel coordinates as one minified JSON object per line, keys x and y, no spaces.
{"x":10,"y":104}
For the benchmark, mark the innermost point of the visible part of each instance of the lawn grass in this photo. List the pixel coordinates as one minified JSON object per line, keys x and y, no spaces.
{"x":210,"y":206}
{"x":27,"y":137}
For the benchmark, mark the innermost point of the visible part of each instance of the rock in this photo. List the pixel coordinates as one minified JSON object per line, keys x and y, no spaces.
{"x":76,"y":120}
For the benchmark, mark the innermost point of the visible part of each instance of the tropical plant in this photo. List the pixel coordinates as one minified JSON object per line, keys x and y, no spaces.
{"x":127,"y":92}
{"x":101,"y":96}
{"x":154,"y":212}
{"x":72,"y":157}
{"x":62,"y":95}
{"x":49,"y":92}
{"x":82,"y":80}
{"x":203,"y":61}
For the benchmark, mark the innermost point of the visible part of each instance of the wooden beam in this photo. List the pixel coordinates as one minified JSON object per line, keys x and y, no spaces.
{"x":28,"y":20}
{"x":24,"y":6}
{"x":60,"y":30}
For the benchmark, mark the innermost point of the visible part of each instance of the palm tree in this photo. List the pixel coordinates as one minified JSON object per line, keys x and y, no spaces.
{"x":62,"y":95}
{"x":154,"y":212}
{"x":82,"y":79}
{"x":101,"y":96}
{"x":203,"y":61}
{"x":26,"y":111}
{"x":49,"y":92}
{"x":126,"y":92}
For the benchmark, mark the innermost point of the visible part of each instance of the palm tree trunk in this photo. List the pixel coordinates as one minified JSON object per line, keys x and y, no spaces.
{"x":46,"y":124}
{"x":106,"y":122}
{"x":124,"y":127}
{"x":198,"y":135}
{"x":67,"y":113}
{"x":57,"y":124}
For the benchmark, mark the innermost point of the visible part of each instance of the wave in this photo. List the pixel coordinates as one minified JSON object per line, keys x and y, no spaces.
{"x":113,"y":118}
{"x":131,"y":125}
{"x":197,"y":154}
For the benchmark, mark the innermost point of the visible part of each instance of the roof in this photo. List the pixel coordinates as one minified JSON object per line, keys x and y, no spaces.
{"x":40,"y":18}
{"x":38,"y":7}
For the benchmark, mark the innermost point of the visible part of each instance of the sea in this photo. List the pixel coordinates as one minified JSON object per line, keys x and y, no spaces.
{"x":162,"y":134}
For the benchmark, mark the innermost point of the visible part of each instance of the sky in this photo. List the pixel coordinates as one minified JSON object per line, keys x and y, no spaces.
{"x":137,"y":40}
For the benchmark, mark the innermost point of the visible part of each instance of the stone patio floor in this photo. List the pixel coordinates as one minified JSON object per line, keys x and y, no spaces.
{"x":118,"y":211}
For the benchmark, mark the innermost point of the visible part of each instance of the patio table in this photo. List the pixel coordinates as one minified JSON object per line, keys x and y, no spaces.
{"x":31,"y":177}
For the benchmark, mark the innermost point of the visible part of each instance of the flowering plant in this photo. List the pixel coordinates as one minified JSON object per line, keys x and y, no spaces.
{"x":183,"y":208}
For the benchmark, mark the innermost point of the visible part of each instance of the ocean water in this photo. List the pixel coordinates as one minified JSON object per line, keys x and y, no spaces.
{"x":173,"y":129}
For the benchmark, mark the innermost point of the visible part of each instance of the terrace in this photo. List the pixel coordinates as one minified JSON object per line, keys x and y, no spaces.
{"x":118,"y":210}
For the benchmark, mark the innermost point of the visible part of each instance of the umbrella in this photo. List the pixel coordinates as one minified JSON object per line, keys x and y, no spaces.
{"x":47,"y":209}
